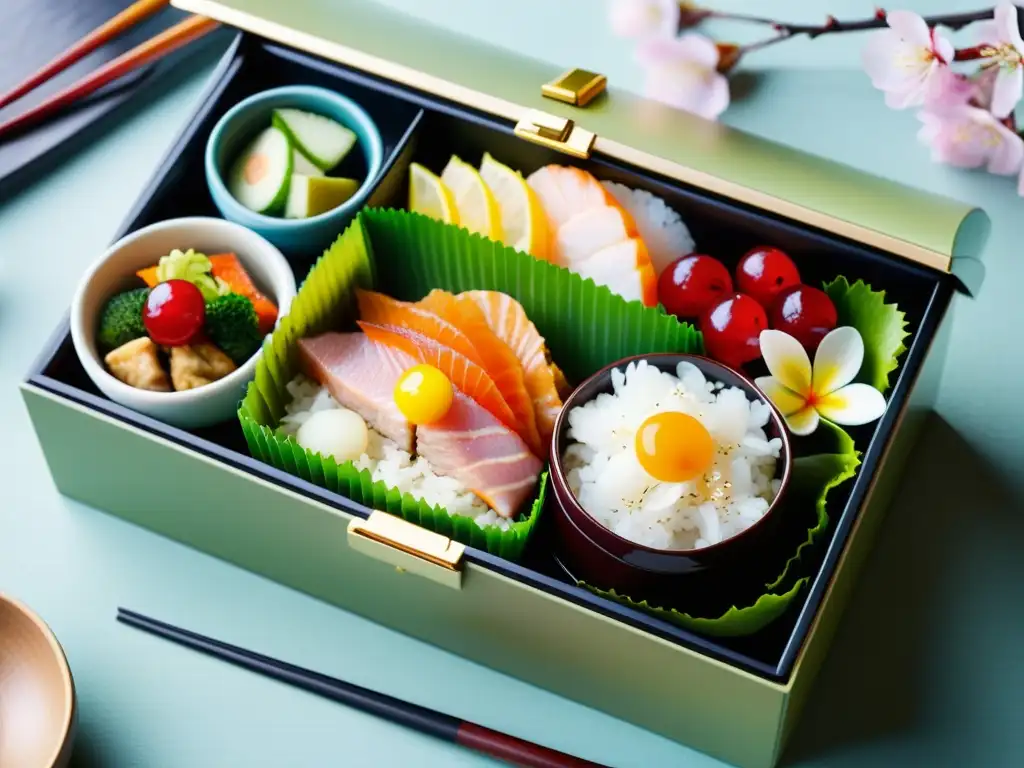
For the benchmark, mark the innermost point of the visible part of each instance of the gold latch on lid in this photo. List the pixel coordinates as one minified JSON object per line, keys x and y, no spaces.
{"x":408,"y":547}
{"x":577,"y":87}
{"x":558,"y":133}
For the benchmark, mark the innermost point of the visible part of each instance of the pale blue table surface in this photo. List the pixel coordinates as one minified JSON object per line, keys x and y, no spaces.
{"x":927,"y":669}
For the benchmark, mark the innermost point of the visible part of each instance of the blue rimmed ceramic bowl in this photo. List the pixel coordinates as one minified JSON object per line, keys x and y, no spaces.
{"x":246,"y":119}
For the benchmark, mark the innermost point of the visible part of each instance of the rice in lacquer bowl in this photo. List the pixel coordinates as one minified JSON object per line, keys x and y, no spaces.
{"x":663,"y":466}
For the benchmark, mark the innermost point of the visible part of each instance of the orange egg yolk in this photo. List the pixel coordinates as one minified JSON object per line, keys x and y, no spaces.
{"x":423,"y":394}
{"x":674,"y":447}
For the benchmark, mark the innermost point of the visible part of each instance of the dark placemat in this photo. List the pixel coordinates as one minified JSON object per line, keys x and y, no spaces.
{"x":32,"y":32}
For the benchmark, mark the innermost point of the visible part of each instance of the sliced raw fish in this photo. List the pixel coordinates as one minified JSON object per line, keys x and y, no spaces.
{"x":361,"y":375}
{"x":588,"y":232}
{"x":507,"y":318}
{"x":499,"y":360}
{"x":565,"y":191}
{"x":472,"y":446}
{"x":380,"y":309}
{"x":625,"y":268}
{"x":463,"y":373}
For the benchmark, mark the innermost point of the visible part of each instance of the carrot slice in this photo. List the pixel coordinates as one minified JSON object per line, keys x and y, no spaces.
{"x":148,"y":275}
{"x":228,"y":268}
{"x":465,"y":375}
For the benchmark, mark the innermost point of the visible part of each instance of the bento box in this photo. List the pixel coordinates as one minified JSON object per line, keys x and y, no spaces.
{"x":543,"y":574}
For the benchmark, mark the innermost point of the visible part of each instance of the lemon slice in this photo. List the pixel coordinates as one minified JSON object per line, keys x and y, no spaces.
{"x":524,"y":224}
{"x":431,"y":196}
{"x":478,"y":210}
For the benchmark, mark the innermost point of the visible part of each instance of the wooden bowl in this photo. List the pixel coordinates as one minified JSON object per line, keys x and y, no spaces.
{"x":604,"y":559}
{"x":37,"y":694}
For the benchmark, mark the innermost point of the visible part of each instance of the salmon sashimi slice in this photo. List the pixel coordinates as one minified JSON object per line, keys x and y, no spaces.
{"x":471,"y":446}
{"x":361,"y":375}
{"x":588,"y":232}
{"x":379,"y":309}
{"x":499,"y":360}
{"x":463,"y":373}
{"x":625,"y":268}
{"x":565,"y":191}
{"x":507,"y":318}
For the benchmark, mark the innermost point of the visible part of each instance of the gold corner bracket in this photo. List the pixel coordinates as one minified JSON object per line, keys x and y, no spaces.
{"x":408,"y":547}
{"x":558,"y":133}
{"x":576,"y":86}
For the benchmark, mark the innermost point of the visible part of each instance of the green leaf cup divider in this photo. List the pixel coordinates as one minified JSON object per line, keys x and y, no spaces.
{"x":406,"y":255}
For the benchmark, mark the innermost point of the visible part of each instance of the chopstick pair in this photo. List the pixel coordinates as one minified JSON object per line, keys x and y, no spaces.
{"x":168,"y":41}
{"x":445,"y":727}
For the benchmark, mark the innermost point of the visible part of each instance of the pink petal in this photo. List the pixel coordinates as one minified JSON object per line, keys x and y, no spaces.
{"x":986,"y":32}
{"x":1005,"y":18}
{"x":910,"y":27}
{"x":1007,"y":91}
{"x":643,"y":18}
{"x":698,"y":49}
{"x":946,"y":89}
{"x":1020,"y":183}
{"x":943,"y":48}
{"x":1008,"y":154}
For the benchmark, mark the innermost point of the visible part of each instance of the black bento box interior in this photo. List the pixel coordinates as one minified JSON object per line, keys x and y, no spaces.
{"x":431,"y":130}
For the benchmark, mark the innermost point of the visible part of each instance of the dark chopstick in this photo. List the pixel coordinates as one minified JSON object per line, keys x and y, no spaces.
{"x":157,"y":47}
{"x":100,"y":36}
{"x":427,"y":721}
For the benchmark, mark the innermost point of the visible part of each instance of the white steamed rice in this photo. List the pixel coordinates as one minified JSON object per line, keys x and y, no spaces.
{"x":605,"y":475}
{"x":661,"y":228}
{"x":389,"y":463}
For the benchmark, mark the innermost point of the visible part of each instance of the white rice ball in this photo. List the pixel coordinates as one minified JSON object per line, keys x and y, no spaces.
{"x":336,"y":432}
{"x":661,"y":228}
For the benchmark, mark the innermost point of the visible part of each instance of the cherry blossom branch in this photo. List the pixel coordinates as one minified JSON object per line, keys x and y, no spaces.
{"x":692,"y":15}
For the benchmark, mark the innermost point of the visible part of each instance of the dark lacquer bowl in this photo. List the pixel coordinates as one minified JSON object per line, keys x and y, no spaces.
{"x":602,"y":558}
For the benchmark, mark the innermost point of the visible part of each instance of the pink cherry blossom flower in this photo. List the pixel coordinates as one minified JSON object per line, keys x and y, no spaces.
{"x":644,"y":18}
{"x":1004,"y":48}
{"x":969,"y":137}
{"x":683,"y":72}
{"x":902,"y":60}
{"x":947,"y":89}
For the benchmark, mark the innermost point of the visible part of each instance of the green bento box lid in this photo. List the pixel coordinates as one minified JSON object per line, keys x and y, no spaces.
{"x":941,"y":233}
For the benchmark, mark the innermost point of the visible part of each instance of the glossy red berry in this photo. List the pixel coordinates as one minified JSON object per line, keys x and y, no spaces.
{"x":805,"y":313}
{"x":732,"y":330}
{"x":174,"y":313}
{"x":692,"y":284}
{"x":764,"y":272}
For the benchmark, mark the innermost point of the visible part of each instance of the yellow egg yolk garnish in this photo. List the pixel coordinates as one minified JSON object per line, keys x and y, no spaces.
{"x":423,"y":394}
{"x":674,"y":447}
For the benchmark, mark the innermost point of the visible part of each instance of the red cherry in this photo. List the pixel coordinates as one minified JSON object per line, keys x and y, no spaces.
{"x":174,"y":313}
{"x":691,"y":284}
{"x":805,"y":313}
{"x":732,"y":330}
{"x":764,"y":272}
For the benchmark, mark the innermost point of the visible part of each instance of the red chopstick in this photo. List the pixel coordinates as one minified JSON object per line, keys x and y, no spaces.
{"x":103,"y":34}
{"x":428,"y":721}
{"x":153,"y":49}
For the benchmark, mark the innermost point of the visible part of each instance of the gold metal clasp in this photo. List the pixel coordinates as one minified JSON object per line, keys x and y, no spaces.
{"x":408,"y":547}
{"x":558,"y":133}
{"x":576,"y":86}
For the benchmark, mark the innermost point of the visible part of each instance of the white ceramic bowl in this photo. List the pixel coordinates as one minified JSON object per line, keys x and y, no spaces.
{"x":115,"y":271}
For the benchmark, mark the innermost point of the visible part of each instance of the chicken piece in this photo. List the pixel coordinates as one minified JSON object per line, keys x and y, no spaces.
{"x":198,"y":364}
{"x":137,"y":365}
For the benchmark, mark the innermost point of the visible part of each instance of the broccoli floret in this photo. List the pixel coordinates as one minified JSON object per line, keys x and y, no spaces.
{"x":231,"y":324}
{"x":121,"y":319}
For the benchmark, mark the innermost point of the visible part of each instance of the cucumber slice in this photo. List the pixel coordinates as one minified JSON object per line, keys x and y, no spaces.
{"x":313,"y":195}
{"x":259,"y":178}
{"x":302,"y":166}
{"x":322,"y":140}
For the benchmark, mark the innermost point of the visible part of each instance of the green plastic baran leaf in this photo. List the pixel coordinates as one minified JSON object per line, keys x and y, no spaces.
{"x":814,"y":477}
{"x":406,"y":255}
{"x":882,"y":326}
